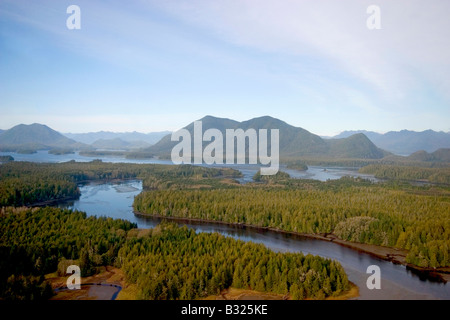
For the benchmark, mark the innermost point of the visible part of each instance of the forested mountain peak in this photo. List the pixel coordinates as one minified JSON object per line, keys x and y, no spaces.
{"x":34,"y":136}
{"x":294,"y":141}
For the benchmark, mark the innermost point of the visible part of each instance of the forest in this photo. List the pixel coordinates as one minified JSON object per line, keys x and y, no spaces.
{"x":414,"y":218}
{"x":413,"y":173}
{"x":37,"y":241}
{"x":34,"y":240}
{"x":177,"y":263}
{"x":29,"y":183}
{"x":168,"y":262}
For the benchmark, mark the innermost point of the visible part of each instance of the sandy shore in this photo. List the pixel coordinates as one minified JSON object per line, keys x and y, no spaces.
{"x":101,"y":286}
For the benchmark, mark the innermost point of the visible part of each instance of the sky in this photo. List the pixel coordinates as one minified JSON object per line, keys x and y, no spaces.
{"x":158,"y":65}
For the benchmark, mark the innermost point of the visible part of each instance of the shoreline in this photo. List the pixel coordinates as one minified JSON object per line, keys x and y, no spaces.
{"x":394,"y":255}
{"x":52,"y":201}
{"x":77,"y":197}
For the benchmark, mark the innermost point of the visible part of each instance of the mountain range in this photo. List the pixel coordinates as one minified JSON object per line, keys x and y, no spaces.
{"x":295,"y":142}
{"x":119,"y":144}
{"x":132,"y":137}
{"x":405,"y":142}
{"x":29,"y":138}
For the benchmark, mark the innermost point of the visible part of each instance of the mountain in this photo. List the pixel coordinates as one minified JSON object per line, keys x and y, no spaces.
{"x":294,"y":141}
{"x":34,"y":137}
{"x":440,"y":155}
{"x":355,"y":146}
{"x":405,"y":142}
{"x":119,"y":144}
{"x":373,"y":136}
{"x":91,"y":137}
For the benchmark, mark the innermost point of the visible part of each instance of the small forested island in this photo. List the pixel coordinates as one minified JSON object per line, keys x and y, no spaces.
{"x":60,"y":151}
{"x":26,"y":151}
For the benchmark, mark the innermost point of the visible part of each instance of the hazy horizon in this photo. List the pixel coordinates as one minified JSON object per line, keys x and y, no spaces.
{"x":149,"y":132}
{"x":152,"y":66}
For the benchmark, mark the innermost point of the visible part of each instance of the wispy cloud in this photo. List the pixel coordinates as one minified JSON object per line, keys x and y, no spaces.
{"x":300,"y":60}
{"x":411,"y":48}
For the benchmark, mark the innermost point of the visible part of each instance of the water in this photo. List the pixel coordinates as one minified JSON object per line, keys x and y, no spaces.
{"x":327,"y":173}
{"x":115,"y":200}
{"x":44,"y":156}
{"x":247,"y":170}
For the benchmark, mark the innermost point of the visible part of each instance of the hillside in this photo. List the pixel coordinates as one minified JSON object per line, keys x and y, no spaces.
{"x":356,"y":146}
{"x":91,"y":137}
{"x":373,"y":136}
{"x":35,"y":137}
{"x":294,"y":142}
{"x":118,"y":144}
{"x":440,"y":155}
{"x":405,"y":142}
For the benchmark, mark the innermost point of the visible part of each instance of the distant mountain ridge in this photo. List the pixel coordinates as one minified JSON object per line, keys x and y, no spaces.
{"x":369,"y":134}
{"x":405,"y":142}
{"x":294,"y":141}
{"x":119,"y":144}
{"x":91,"y":137}
{"x":35,"y":137}
{"x":440,"y":155}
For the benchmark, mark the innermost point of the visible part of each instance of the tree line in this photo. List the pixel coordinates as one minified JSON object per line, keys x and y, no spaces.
{"x":398,"y":172}
{"x":33,"y":241}
{"x":177,"y":263}
{"x":28,"y":183}
{"x":168,"y":262}
{"x":354,"y":209}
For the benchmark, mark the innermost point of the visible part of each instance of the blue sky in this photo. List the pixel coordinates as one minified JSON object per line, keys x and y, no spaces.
{"x":159,"y":65}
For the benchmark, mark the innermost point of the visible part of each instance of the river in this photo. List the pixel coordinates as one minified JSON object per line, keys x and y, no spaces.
{"x":115,"y":200}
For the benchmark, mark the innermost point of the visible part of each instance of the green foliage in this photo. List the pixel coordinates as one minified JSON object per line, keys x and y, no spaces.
{"x":166,"y":263}
{"x":4,"y":159}
{"x":34,"y":242}
{"x":296,"y":164}
{"x":26,"y":288}
{"x":61,"y":151}
{"x":361,"y":229}
{"x":28,"y":183}
{"x":398,"y":172}
{"x":280,"y":176}
{"x":416,"y":219}
{"x":177,"y":263}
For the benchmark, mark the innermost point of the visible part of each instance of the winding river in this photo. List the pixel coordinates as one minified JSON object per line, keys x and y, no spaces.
{"x":115,"y":200}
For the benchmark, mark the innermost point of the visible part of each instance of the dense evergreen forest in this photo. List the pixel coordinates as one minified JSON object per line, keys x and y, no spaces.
{"x":177,"y":263}
{"x":166,"y":263}
{"x":34,"y":240}
{"x":28,"y":183}
{"x":397,"y":172}
{"x":182,"y":264}
{"x":413,"y":218}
